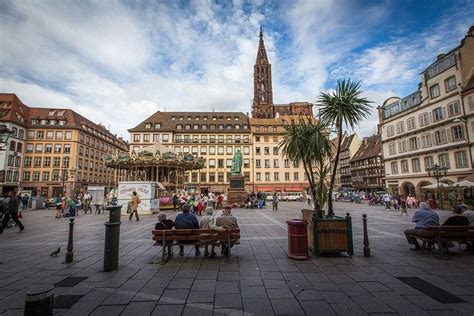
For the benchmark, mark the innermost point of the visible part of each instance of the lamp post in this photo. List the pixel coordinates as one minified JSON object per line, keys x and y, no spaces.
{"x":64,"y":175}
{"x":5,"y":133}
{"x":437,"y":172}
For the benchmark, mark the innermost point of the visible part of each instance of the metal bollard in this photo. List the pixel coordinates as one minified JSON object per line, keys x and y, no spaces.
{"x":70,"y":246}
{"x":366,"y":237}
{"x":112,"y":238}
{"x":39,"y":300}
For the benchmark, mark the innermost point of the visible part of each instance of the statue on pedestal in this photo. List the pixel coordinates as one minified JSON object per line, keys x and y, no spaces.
{"x":237,"y":163}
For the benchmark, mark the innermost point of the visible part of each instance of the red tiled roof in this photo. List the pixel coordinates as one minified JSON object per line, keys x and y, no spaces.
{"x":369,"y":148}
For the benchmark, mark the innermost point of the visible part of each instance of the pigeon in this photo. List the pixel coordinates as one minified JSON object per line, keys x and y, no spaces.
{"x":56,"y":252}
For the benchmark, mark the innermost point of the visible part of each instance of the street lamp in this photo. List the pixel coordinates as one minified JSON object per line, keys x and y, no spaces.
{"x":64,"y":176}
{"x":437,"y":172}
{"x":5,"y":133}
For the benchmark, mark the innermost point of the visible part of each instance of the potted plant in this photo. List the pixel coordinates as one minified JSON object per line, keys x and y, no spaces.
{"x":306,"y":141}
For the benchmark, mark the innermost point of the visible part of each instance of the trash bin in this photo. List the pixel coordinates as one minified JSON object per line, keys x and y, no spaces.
{"x":297,"y":239}
{"x":39,"y":300}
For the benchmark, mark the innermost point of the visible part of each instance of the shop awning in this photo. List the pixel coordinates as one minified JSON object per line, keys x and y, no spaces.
{"x":294,"y":189}
{"x":264,"y":189}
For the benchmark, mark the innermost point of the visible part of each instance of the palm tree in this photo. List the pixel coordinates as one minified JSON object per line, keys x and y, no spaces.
{"x":307,"y":142}
{"x":344,"y":107}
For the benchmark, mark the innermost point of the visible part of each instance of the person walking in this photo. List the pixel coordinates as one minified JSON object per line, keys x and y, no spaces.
{"x":135,"y":202}
{"x":403,"y":206}
{"x":175,"y":201}
{"x":275,"y":202}
{"x":12,"y":212}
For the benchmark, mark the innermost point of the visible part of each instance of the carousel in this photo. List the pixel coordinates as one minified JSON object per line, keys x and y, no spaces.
{"x":155,"y":172}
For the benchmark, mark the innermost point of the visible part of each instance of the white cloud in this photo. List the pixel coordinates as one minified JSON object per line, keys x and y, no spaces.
{"x":118,"y":62}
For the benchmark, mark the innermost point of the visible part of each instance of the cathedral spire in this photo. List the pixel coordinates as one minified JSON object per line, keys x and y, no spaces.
{"x":262,"y":90}
{"x":262,"y":53}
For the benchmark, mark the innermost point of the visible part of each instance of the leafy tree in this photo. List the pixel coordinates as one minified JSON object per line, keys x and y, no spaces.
{"x":306,"y":142}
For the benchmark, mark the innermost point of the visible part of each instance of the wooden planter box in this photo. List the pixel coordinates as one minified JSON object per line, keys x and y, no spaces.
{"x":329,"y":235}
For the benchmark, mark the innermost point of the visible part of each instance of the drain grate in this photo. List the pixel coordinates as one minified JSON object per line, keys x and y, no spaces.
{"x":431,"y":290}
{"x":66,"y":301}
{"x":69,"y":281}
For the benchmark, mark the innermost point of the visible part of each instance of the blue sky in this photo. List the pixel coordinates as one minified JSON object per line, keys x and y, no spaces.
{"x":117,"y":62}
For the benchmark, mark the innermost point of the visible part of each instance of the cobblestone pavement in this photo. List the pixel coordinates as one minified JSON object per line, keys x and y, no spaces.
{"x":258,"y":280}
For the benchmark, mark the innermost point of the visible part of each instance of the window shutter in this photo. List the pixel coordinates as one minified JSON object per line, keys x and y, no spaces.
{"x":448,"y":135}
{"x":430,"y":117}
{"x":433,"y":139}
{"x":470,"y":101}
{"x":418,"y":142}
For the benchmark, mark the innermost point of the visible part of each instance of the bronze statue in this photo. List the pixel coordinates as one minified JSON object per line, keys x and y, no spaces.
{"x":237,"y":160}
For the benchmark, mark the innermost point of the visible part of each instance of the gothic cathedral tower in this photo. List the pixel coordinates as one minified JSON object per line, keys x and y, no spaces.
{"x":262,"y":84}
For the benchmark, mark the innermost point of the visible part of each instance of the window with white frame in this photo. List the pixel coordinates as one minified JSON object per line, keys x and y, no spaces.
{"x":440,"y":137}
{"x":434,"y":91}
{"x":411,"y":123}
{"x":461,"y":159}
{"x":444,"y":160}
{"x":400,"y":127}
{"x":402,"y":146}
{"x":426,"y":141}
{"x":438,"y":114}
{"x":450,"y":84}
{"x":390,"y":131}
{"x":394,"y":167}
{"x":413,"y":143}
{"x":404,"y":164}
{"x":415,"y":165}
{"x":470,"y":102}
{"x":423,"y":118}
{"x":454,"y":108}
{"x":429,"y":163}
{"x":457,"y":132}
{"x":391,"y":149}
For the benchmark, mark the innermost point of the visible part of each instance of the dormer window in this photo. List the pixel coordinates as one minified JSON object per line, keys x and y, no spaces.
{"x":157,"y":125}
{"x":195,"y":127}
{"x":148,"y":125}
{"x":34,"y":122}
{"x":214,"y":118}
{"x":204,"y":118}
{"x":245,"y":126}
{"x":187,"y":127}
{"x":180,"y":118}
{"x":229,"y":127}
{"x":228,"y":118}
{"x":237,"y":126}
{"x":189,"y":118}
{"x":221,"y":127}
{"x":179,"y":127}
{"x":44,"y":122}
{"x":204,"y":127}
{"x":212,"y":127}
{"x":173,"y":118}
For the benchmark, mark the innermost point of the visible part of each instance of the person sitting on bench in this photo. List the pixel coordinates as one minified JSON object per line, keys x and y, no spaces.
{"x":457,"y":219}
{"x":185,"y":220}
{"x":164,"y":224}
{"x":422,"y":218}
{"x":209,"y":222}
{"x":226,"y":221}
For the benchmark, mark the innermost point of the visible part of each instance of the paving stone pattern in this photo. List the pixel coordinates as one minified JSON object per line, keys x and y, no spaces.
{"x":259,"y":279}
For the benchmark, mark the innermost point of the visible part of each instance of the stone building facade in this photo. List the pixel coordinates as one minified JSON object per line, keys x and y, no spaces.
{"x":433,"y":125}
{"x":215,"y":136}
{"x":54,"y":149}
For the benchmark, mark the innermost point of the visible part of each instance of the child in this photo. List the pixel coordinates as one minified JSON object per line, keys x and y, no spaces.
{"x":200,"y":207}
{"x":403,"y":206}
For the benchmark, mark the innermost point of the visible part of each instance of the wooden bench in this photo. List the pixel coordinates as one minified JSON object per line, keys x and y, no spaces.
{"x":199,"y":237}
{"x":440,"y":235}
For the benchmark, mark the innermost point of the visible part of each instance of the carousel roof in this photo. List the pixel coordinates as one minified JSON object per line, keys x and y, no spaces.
{"x":155,"y":155}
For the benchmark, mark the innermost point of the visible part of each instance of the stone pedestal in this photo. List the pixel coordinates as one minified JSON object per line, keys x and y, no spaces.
{"x":236,"y":193}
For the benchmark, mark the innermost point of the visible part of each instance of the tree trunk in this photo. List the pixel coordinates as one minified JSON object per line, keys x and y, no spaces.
{"x":333,"y":175}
